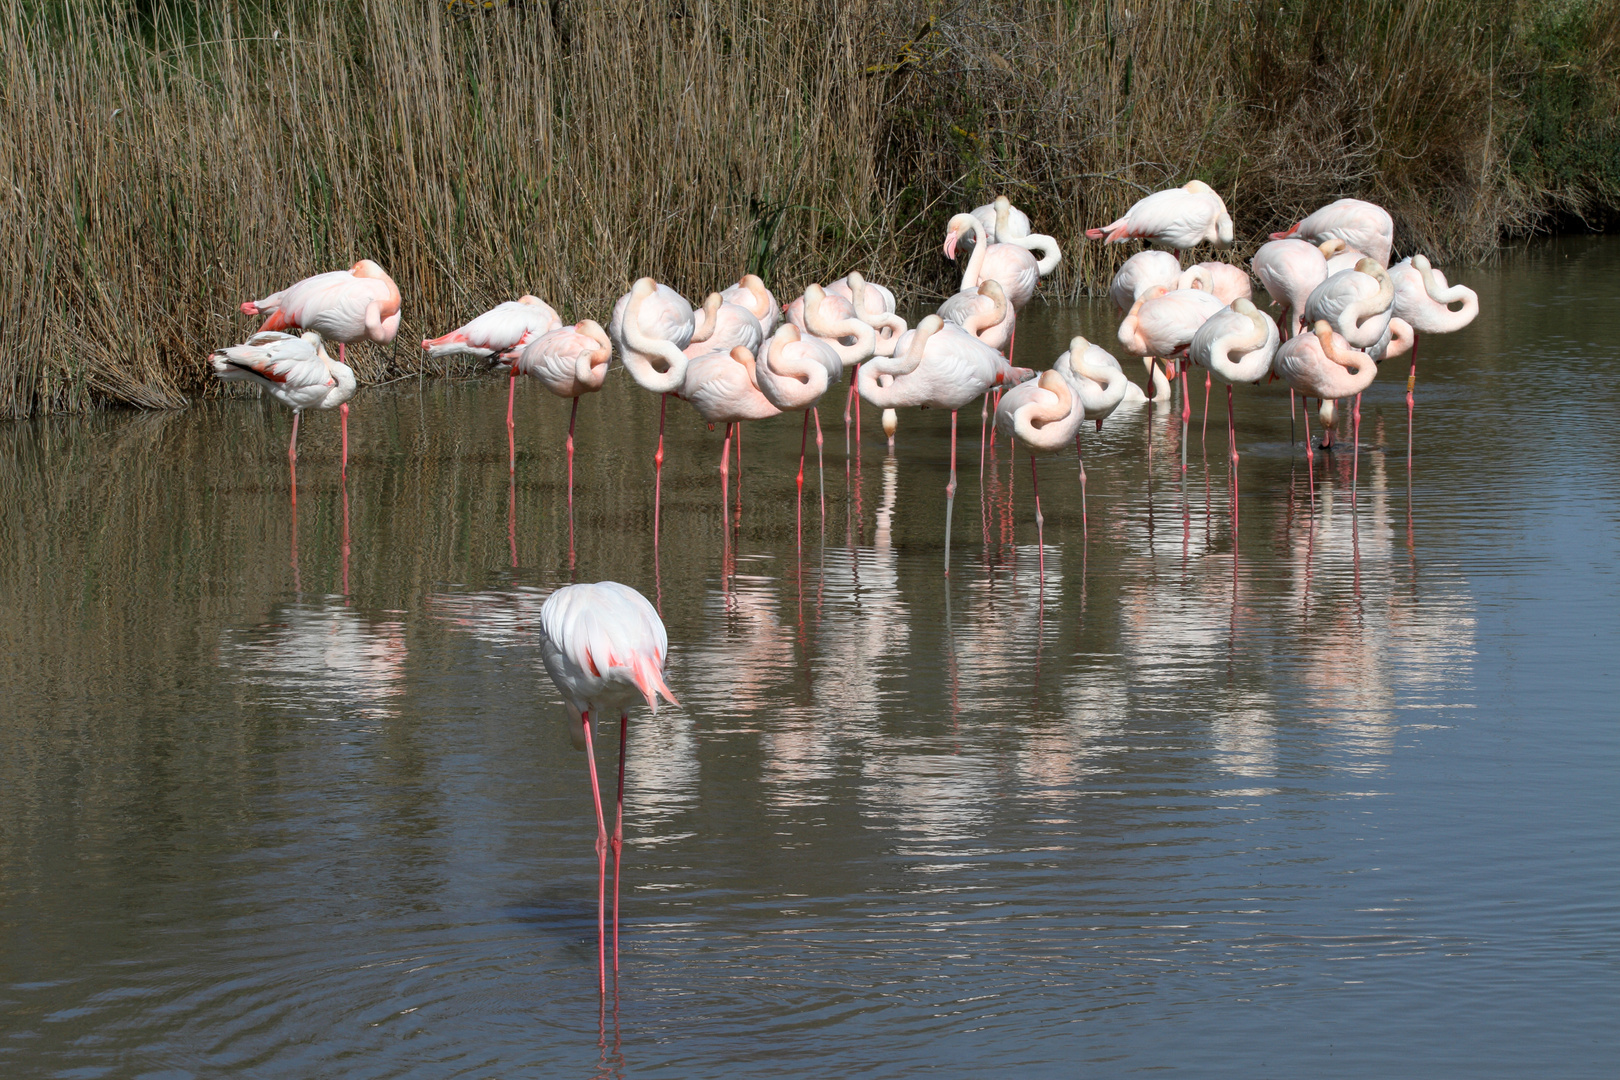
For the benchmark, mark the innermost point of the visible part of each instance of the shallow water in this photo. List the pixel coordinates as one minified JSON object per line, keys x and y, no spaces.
{"x":1329,"y":794}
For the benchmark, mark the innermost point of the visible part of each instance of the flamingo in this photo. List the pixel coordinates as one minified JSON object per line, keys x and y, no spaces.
{"x":832,"y":317}
{"x":652,"y":324}
{"x":724,"y":325}
{"x":722,"y":387}
{"x":1235,"y":345}
{"x":1289,"y":270}
{"x":1004,"y":223}
{"x":1356,"y":303}
{"x":297,"y":372}
{"x":1226,"y":281}
{"x":1424,"y":300}
{"x":604,"y":647}
{"x":1163,"y":324}
{"x":750,"y":292}
{"x":874,"y":305}
{"x":1182,"y":218}
{"x":793,"y":373}
{"x":983,"y":311}
{"x":1141,"y":272}
{"x":1010,"y":264}
{"x":1323,"y":364}
{"x":1361,"y":225}
{"x":357,"y":304}
{"x":570,"y":361}
{"x":511,"y":325}
{"x":938,"y":365}
{"x":1085,"y":383}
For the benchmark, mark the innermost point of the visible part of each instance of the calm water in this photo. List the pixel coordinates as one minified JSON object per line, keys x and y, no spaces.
{"x":1332,"y":794}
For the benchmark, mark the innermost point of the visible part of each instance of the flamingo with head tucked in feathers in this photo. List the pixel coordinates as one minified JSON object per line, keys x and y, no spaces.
{"x":1364,"y":226}
{"x":652,"y":324}
{"x":1322,"y":364}
{"x":793,"y":371}
{"x":605,"y":648}
{"x":874,"y":305}
{"x":1357,"y":303}
{"x":750,"y":292}
{"x":938,"y":365}
{"x":297,"y":372}
{"x":570,"y":361}
{"x":1235,"y":345}
{"x":357,"y":304}
{"x":1181,"y":218}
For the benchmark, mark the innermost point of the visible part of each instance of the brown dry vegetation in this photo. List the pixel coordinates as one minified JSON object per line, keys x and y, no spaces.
{"x":163,"y":161}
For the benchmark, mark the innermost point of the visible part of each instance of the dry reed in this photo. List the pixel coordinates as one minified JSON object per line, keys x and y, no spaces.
{"x":160,"y":169}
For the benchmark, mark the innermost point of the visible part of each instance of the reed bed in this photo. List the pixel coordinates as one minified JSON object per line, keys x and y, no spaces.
{"x":165,"y":161}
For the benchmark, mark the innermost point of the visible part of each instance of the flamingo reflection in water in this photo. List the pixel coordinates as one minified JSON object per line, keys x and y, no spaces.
{"x":318,"y":657}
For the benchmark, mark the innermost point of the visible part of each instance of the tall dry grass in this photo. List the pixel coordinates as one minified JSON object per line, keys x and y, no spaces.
{"x":166,"y":160}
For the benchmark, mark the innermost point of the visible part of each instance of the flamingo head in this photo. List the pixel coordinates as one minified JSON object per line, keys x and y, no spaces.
{"x":530,"y":299}
{"x":958,"y":227}
{"x":1329,"y":247}
{"x":1323,"y":332}
{"x":1198,"y":187}
{"x":1420,"y":263}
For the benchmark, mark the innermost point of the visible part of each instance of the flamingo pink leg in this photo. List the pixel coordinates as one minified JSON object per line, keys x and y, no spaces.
{"x":1203,"y":436}
{"x":658,"y":467}
{"x":1085,"y":526}
{"x":1355,"y":455}
{"x":950,"y":496}
{"x":511,"y":438}
{"x":572,"y":413}
{"x":618,"y":835}
{"x":849,"y":403}
{"x":1186,"y":396}
{"x":1040,"y":522}
{"x":292,"y":447}
{"x":821,"y":473}
{"x":1231,"y":442}
{"x":1411,"y":383}
{"x":804,"y":439}
{"x":343,"y":423}
{"x":601,"y":859}
{"x":1310,"y":457}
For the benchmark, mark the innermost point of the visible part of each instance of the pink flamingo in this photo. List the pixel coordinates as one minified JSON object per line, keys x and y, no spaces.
{"x":983,"y":311}
{"x":1357,"y":303}
{"x":1322,"y":364}
{"x":793,"y":373}
{"x":1004,"y":223}
{"x":604,"y":647}
{"x":1235,"y":345}
{"x":724,"y":325}
{"x":874,"y":305}
{"x":1290,"y":270}
{"x":750,"y":292}
{"x":1365,"y":226}
{"x":723,"y":388}
{"x":1226,"y":281}
{"x":942,"y":366}
{"x":297,"y":372}
{"x":1163,"y":324}
{"x":1011,"y":265}
{"x":832,"y":317}
{"x":1141,"y":272}
{"x":1424,"y":299}
{"x":357,"y":304}
{"x":511,"y":325}
{"x":1182,"y":218}
{"x":570,"y":361}
{"x":1085,"y":383}
{"x":652,"y":324}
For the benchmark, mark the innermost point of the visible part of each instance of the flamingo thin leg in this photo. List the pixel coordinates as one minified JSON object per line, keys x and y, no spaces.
{"x":572,"y":413}
{"x":1040,"y":522}
{"x":1203,"y":436}
{"x":658,"y":467}
{"x":292,"y":447}
{"x":511,"y":437}
{"x":1085,"y":526}
{"x":1355,"y":454}
{"x":821,"y":471}
{"x":618,"y":835}
{"x":1411,"y":382}
{"x":601,"y":859}
{"x":950,"y":496}
{"x":343,"y":424}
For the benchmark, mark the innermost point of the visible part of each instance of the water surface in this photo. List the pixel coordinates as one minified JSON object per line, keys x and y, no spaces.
{"x":1329,"y":793}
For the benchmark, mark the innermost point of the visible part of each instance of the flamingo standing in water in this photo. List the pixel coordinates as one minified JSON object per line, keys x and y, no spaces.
{"x":793,"y":372}
{"x":652,"y":325}
{"x":1085,"y":383}
{"x":874,"y":305}
{"x":723,"y":388}
{"x":1004,"y":223}
{"x":1364,"y":226}
{"x":1423,"y":299}
{"x":1011,"y":265}
{"x":942,"y":366}
{"x":1290,"y":270}
{"x":983,"y":311}
{"x":1139,"y":273}
{"x":1163,"y":324}
{"x":750,"y":292}
{"x":570,"y":361}
{"x":1181,"y":218}
{"x":1322,"y":364}
{"x":508,"y":326}
{"x":1235,"y":345}
{"x":1357,"y":303}
{"x":357,"y":304}
{"x":604,"y":647}
{"x":722,"y":324}
{"x":297,"y":372}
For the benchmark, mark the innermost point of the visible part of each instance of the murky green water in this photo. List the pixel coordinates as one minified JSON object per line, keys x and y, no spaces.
{"x":1332,"y":794}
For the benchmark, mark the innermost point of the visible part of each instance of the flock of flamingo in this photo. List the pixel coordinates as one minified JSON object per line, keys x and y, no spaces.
{"x":742,"y":356}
